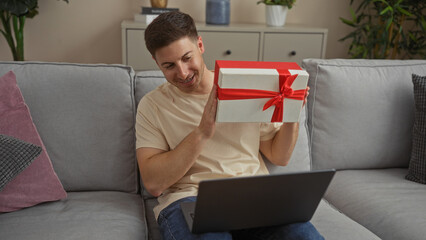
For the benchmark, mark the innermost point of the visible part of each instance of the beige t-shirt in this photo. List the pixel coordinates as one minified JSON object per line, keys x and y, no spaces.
{"x":167,"y":115}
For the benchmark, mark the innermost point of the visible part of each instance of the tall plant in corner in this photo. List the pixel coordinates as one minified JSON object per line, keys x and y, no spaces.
{"x":387,"y":29}
{"x":13,"y":14}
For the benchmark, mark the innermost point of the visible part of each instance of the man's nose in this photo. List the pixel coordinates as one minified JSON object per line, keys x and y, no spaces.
{"x":182,"y":71}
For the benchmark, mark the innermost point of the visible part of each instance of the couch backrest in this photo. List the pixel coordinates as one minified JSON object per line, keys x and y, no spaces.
{"x":361,"y":112}
{"x":85,"y":117}
{"x":300,"y":161}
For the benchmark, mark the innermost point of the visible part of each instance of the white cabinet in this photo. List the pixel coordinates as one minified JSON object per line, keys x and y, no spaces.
{"x":249,"y":42}
{"x":230,"y":46}
{"x":292,"y":47}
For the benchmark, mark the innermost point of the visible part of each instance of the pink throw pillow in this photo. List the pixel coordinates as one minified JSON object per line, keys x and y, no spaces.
{"x":38,"y":182}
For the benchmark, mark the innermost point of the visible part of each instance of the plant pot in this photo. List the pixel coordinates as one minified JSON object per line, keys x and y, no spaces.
{"x":276,"y":15}
{"x":159,"y":3}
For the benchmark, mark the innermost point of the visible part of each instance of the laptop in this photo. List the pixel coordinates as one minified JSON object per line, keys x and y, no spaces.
{"x":257,"y":201}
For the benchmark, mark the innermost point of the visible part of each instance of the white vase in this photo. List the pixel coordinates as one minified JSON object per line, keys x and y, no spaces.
{"x":276,"y":15}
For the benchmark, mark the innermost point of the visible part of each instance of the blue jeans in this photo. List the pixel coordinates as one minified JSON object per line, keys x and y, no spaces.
{"x":173,"y":227}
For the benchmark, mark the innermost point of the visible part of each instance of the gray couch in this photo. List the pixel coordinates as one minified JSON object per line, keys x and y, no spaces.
{"x":358,"y":120}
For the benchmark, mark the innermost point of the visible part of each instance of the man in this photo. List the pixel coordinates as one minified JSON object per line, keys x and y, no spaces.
{"x":179,"y":144}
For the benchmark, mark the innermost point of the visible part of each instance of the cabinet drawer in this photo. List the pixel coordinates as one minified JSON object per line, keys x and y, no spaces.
{"x":137,"y":55}
{"x":230,"y":46}
{"x":292,"y":47}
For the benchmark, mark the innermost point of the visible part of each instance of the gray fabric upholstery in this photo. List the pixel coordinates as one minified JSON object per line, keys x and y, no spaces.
{"x":83,"y":215}
{"x":145,"y":82}
{"x":84,"y":115}
{"x":417,"y":166}
{"x":361,"y":112}
{"x":382,"y":201}
{"x":334,"y":225}
{"x":153,"y":228}
{"x":15,"y":156}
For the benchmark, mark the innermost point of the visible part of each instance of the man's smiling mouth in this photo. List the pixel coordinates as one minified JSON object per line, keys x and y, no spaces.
{"x":188,"y":80}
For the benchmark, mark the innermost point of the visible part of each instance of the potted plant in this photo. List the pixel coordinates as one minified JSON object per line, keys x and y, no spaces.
{"x":387,"y":29}
{"x":13,"y":14}
{"x":276,"y":11}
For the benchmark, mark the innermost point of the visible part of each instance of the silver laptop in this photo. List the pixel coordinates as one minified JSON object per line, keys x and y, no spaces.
{"x":258,"y":201}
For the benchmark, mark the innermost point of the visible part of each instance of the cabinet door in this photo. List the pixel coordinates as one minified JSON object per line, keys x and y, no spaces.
{"x":137,"y":55}
{"x":230,"y":46}
{"x":292,"y":47}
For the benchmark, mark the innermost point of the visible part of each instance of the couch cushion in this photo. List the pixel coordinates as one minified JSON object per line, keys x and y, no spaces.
{"x":83,"y":215}
{"x":382,"y":201}
{"x":417,"y":167}
{"x":146,"y":81}
{"x":85,"y":117}
{"x":361,"y":112}
{"x":333,"y":225}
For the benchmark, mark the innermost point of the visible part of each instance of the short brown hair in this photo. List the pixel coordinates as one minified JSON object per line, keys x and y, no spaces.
{"x":167,"y":28}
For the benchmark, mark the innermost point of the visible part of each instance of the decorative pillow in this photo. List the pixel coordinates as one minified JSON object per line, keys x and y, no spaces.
{"x":15,"y":156}
{"x":417,"y":166}
{"x":38,"y":182}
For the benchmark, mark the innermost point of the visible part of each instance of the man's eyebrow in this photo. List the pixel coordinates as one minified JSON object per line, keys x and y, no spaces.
{"x":184,"y":55}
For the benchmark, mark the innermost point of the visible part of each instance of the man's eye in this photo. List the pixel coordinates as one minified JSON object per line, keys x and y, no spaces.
{"x":187,"y":58}
{"x":169,"y":66}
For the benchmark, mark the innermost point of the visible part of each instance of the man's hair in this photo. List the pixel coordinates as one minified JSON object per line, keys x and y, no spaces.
{"x":167,"y":28}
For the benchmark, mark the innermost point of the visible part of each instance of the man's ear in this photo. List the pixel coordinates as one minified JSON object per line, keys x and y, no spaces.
{"x":200,"y":44}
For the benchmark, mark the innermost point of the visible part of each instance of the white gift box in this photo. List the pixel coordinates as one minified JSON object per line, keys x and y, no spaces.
{"x":244,"y":87}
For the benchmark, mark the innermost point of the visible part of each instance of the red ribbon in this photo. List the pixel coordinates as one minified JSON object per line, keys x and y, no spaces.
{"x":277,"y":98}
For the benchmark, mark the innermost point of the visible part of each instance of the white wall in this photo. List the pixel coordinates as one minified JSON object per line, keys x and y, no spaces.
{"x":89,"y":31}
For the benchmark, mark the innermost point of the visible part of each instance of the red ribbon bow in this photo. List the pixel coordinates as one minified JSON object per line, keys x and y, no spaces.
{"x":277,"y":98}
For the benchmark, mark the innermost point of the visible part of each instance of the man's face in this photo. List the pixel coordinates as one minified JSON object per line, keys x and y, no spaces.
{"x":182,"y":64}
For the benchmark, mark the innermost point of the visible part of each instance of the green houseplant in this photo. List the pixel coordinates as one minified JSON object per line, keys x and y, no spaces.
{"x":287,"y":3}
{"x":387,"y":29}
{"x":13,"y":14}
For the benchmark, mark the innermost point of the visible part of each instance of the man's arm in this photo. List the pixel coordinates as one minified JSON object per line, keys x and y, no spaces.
{"x":161,"y":169}
{"x":279,"y":149}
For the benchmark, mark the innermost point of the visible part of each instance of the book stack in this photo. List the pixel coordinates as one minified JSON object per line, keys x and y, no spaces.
{"x":149,"y":13}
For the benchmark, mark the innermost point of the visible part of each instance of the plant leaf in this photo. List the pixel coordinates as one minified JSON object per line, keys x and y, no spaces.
{"x":388,"y":23}
{"x":387,"y":9}
{"x":18,"y":7}
{"x":403,"y":11}
{"x":348,"y":22}
{"x":353,"y":14}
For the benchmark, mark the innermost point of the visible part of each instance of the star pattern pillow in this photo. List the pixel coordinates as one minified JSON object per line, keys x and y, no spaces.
{"x":38,"y":182}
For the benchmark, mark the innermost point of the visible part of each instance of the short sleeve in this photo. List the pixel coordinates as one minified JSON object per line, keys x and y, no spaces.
{"x":148,"y":133}
{"x":268,"y":130}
